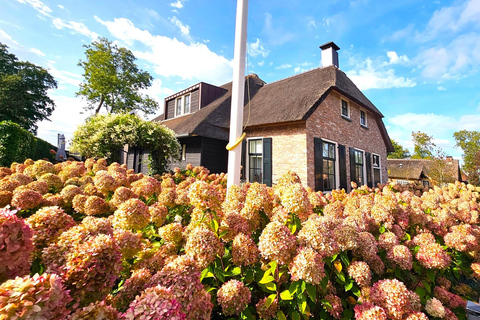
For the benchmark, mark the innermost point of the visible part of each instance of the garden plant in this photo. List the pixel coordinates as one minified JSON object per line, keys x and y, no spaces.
{"x":92,"y":240}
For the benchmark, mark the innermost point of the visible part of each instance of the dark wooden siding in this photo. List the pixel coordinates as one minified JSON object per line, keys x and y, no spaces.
{"x":195,"y":101}
{"x":170,"y":109}
{"x":214,"y":155}
{"x":193,"y":152}
{"x":209,"y":93}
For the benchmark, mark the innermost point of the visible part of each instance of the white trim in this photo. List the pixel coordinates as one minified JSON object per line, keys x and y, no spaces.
{"x":182,"y":105}
{"x":337,"y":166}
{"x":176,"y":106}
{"x":247,"y":160}
{"x":379,"y":167}
{"x":189,"y":101}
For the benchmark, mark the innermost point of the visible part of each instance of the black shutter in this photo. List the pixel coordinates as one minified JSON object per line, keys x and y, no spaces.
{"x":267,"y":161}
{"x":243,"y":161}
{"x":368,"y":163}
{"x":352,"y":165}
{"x":318,"y":155}
{"x":342,"y":164}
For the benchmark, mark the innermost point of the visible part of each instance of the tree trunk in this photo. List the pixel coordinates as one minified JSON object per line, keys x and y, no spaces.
{"x":100,"y":105}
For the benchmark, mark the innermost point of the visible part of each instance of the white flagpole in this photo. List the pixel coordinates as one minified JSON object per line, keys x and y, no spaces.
{"x":238,"y":88}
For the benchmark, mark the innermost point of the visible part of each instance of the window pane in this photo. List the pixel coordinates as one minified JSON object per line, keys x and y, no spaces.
{"x":179,"y":106}
{"x":376,"y":161}
{"x":259,"y":146}
{"x":186,"y":108}
{"x":325,"y":150}
{"x":344,"y":108}
{"x":376,"y":177}
{"x":331,"y":151}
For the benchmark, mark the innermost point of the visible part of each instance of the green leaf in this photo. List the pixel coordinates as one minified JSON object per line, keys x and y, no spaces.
{"x":312,"y":292}
{"x":247,"y":315}
{"x":348,"y":314}
{"x":349,"y":285}
{"x":281,"y":315}
{"x":270,"y":300}
{"x":249,"y":276}
{"x":215,"y":225}
{"x":295,"y":315}
{"x":236,"y":271}
{"x":421,"y":292}
{"x":324,"y":282}
{"x":302,"y":303}
{"x":356,"y":291}
{"x":427,"y":286}
{"x":294,"y":286}
{"x":219,"y":274}
{"x":341,"y":277}
{"x":267,"y":278}
{"x":431,"y":275}
{"x":303,"y":286}
{"x":286,"y":295}
{"x":271,"y":286}
{"x":382,"y":229}
{"x":273,"y":266}
{"x":344,"y":258}
{"x":206,"y":273}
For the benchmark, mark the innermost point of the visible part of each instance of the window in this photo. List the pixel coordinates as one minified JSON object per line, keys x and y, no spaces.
{"x":184,"y":152}
{"x":426,"y":183}
{"x":358,"y":178}
{"x":186,"y":106}
{"x":376,"y":170}
{"x":345,"y":111}
{"x":363,"y":118}
{"x":255,"y":160}
{"x":178,"y":109}
{"x":402,"y":182}
{"x":328,"y":155}
{"x":182,"y":105}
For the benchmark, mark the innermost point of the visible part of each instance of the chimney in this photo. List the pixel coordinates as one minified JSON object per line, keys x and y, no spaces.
{"x":329,"y":54}
{"x":449,"y":159}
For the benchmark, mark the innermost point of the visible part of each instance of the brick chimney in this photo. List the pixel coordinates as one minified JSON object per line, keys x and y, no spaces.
{"x":330,"y":54}
{"x":449,"y":159}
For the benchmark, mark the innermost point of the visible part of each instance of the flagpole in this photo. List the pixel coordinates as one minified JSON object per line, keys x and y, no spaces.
{"x":238,"y":88}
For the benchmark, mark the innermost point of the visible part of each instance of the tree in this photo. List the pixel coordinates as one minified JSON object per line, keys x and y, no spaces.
{"x":424,"y":148}
{"x":104,"y":136}
{"x":112,"y":80}
{"x":23,"y":91}
{"x":469,"y":141}
{"x":400,"y":152}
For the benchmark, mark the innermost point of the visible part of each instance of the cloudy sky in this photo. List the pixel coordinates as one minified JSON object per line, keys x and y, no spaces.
{"x":417,"y":61}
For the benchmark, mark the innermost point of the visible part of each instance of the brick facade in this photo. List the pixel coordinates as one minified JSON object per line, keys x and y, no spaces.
{"x":293,"y":144}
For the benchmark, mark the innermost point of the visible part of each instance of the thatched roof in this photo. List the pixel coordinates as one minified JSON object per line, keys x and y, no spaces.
{"x":288,"y":100}
{"x":412,"y":169}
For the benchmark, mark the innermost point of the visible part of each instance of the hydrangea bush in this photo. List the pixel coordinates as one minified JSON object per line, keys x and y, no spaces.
{"x":111,"y":244}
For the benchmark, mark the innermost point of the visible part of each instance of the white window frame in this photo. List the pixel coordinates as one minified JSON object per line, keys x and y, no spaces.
{"x":366,"y":118}
{"x":182,"y":105}
{"x":364,"y":167}
{"x":184,"y":152}
{"x":348,"y":108}
{"x":379,"y":167}
{"x":337,"y":166}
{"x":247,"y":156}
{"x":189,"y":103}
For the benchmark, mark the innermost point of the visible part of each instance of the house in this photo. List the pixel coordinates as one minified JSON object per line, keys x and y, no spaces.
{"x":424,"y":172}
{"x":317,"y":123}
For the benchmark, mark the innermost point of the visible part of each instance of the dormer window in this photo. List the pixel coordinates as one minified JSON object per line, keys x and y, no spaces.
{"x":345,"y":109}
{"x":182,"y":105}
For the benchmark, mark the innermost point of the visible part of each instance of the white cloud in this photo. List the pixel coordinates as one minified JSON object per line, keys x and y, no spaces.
{"x":7,"y":39}
{"x":440,"y":88}
{"x":178,"y":4}
{"x":478,"y":107}
{"x":76,"y":27}
{"x":457,"y":59}
{"x":184,"y":29}
{"x":39,"y":6}
{"x":283,"y":66}
{"x":276,"y":35}
{"x":400,"y":34}
{"x":312,"y":23}
{"x":256,"y":48}
{"x":187,"y":61}
{"x":38,"y":52}
{"x":64,"y":77}
{"x":158,"y":92}
{"x":366,"y":76}
{"x":261,"y":63}
{"x":394,"y":58}
{"x":60,"y":6}
{"x":64,"y":119}
{"x":451,"y":19}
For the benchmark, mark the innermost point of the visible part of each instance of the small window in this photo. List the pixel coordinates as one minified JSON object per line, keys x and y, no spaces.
{"x":328,"y":155}
{"x":184,"y":152}
{"x":186,"y":106}
{"x":363,"y":118}
{"x":178,"y":109}
{"x":345,"y":111}
{"x":376,"y":170}
{"x":426,"y":183}
{"x":359,"y":168}
{"x":255,"y":160}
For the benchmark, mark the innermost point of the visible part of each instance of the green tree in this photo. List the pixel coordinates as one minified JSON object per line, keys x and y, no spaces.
{"x":23,"y":91}
{"x":424,"y":148}
{"x":113,"y":80}
{"x":400,"y":152}
{"x":104,"y":136}
{"x":469,"y":142}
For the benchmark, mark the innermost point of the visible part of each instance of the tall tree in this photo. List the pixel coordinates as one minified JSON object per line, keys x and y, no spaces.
{"x":23,"y":91}
{"x":400,"y":152}
{"x":469,"y":141}
{"x":424,"y":148}
{"x":113,"y":80}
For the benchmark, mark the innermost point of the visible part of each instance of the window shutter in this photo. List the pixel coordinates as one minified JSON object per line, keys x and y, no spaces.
{"x":368,"y":163}
{"x":318,"y":155}
{"x":352,"y":164}
{"x":243,"y":161}
{"x":267,"y":161}
{"x":342,"y":164}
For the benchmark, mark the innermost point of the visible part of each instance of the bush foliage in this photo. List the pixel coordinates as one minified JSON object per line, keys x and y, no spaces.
{"x":17,"y":145}
{"x":104,"y":136}
{"x":178,"y":246}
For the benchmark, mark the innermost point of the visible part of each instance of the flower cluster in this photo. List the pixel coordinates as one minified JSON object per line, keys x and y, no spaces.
{"x":277,"y":243}
{"x":203,"y":245}
{"x":132,"y":214}
{"x":96,"y":311}
{"x":233,"y":296}
{"x":307,"y":265}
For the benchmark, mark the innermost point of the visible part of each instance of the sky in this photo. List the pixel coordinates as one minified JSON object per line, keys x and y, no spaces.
{"x":417,"y":61}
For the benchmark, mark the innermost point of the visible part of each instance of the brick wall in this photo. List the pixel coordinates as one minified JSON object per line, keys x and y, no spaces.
{"x":289,"y":148}
{"x":327,"y":123}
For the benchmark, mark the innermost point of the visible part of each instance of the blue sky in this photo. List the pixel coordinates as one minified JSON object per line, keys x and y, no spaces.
{"x":417,"y":61}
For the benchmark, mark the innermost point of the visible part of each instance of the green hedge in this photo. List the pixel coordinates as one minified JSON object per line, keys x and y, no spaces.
{"x":17,"y":145}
